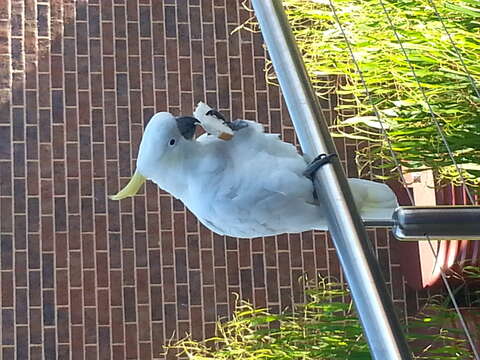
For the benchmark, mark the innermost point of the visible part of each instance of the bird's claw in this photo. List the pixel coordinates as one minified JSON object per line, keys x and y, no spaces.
{"x":316,"y":164}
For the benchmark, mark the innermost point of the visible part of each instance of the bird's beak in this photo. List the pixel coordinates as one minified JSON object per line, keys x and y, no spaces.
{"x":131,"y":188}
{"x":186,"y":126}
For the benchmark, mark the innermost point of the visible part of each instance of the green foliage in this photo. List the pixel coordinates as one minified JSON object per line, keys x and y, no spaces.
{"x":389,"y":79}
{"x":324,"y":328}
{"x":471,"y":285}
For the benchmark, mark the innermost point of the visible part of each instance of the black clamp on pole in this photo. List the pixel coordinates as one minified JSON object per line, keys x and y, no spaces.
{"x":317,"y":163}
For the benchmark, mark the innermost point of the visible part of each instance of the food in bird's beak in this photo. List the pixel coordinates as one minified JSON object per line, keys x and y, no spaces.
{"x":131,"y":188}
{"x":212,"y":124}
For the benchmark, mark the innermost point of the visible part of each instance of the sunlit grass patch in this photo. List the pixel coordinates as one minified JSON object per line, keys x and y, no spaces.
{"x":323,"y":328}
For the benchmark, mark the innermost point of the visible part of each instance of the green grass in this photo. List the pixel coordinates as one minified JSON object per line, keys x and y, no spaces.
{"x":388,"y":76}
{"x":324,"y":328}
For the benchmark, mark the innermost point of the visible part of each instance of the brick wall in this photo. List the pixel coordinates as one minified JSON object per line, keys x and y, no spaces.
{"x":86,"y":277}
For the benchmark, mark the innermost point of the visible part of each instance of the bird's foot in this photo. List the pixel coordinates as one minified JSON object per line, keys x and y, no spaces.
{"x":316,"y":164}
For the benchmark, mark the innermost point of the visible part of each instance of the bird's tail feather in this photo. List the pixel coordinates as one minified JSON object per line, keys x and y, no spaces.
{"x":377,"y":214}
{"x":375,"y":201}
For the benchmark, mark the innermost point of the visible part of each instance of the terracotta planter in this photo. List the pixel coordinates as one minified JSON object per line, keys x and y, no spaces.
{"x":420,"y":268}
{"x":417,"y":261}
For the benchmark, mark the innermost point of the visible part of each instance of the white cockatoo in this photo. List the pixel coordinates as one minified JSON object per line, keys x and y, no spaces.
{"x":249,"y":186}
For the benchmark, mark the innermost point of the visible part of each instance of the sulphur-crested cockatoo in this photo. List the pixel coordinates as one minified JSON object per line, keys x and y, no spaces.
{"x":252,"y":185}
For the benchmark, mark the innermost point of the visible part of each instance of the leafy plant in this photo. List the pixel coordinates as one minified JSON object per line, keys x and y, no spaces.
{"x":391,"y":83}
{"x":324,"y":328}
{"x":470,"y":286}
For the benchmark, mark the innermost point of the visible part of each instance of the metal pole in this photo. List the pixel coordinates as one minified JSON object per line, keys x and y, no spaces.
{"x":373,"y":303}
{"x":414,"y":223}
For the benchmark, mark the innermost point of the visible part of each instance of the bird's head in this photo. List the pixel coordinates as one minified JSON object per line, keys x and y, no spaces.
{"x":163,"y":142}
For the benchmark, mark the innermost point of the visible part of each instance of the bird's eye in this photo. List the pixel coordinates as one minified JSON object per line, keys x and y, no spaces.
{"x":171,"y":142}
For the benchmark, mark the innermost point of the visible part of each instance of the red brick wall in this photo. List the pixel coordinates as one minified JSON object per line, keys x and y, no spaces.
{"x":86,"y":277}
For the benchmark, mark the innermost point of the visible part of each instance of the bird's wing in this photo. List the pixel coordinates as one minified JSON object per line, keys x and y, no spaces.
{"x":262,"y":187}
{"x":255,"y":157}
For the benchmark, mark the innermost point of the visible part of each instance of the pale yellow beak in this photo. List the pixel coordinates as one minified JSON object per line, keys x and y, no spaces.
{"x":131,"y":188}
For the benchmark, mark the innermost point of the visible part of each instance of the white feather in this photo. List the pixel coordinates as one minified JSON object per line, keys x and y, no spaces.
{"x":250,"y":186}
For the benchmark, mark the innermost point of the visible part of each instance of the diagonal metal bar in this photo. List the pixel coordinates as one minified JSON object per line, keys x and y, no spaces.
{"x":361,"y":268}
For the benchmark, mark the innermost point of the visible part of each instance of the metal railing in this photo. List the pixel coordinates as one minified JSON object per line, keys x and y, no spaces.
{"x":361,"y":268}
